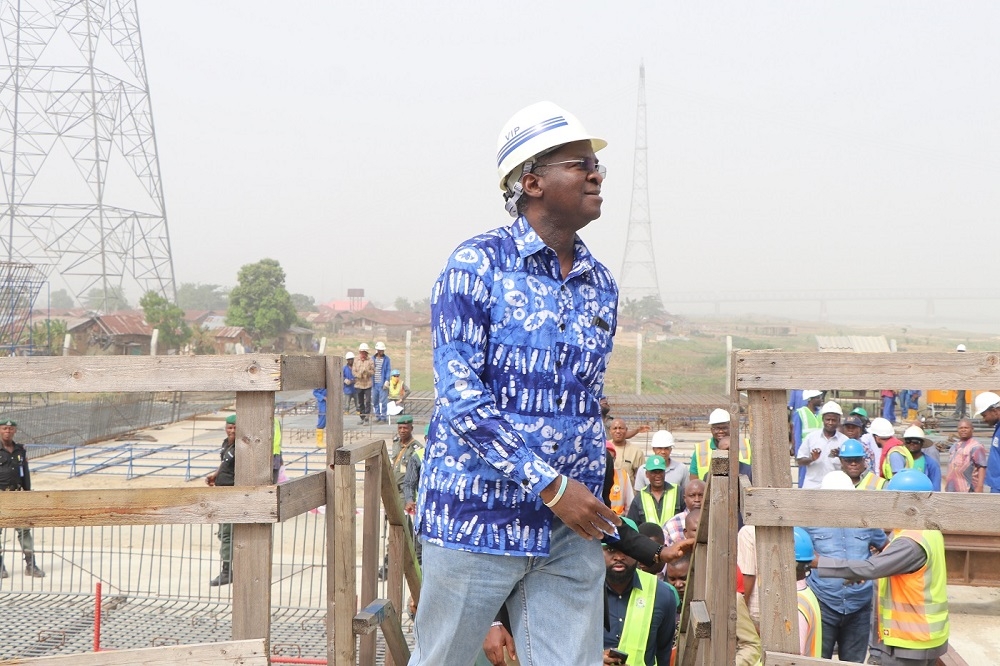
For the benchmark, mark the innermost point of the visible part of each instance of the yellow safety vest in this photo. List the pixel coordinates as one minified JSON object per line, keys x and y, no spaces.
{"x":638,"y":618}
{"x":810,"y":422}
{"x":870,"y":481}
{"x":887,"y":468}
{"x":809,"y":607}
{"x":649,"y":505}
{"x":913,"y":607}
{"x":703,"y":456}
{"x":395,"y":388}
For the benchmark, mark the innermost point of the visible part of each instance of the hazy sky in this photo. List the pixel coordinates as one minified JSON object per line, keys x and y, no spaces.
{"x":791,"y":144}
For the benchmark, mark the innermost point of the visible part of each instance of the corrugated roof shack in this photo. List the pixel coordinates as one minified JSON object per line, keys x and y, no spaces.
{"x":111,"y":335}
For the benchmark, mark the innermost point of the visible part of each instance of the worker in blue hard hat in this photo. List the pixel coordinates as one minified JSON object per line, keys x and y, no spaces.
{"x":912,"y":589}
{"x":810,"y":618}
{"x":854,"y":463}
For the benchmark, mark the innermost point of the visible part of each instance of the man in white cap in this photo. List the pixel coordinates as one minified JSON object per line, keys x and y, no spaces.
{"x":380,"y":382}
{"x":988,"y":406}
{"x":676,"y":474}
{"x":509,"y":504}
{"x":701,"y":461}
{"x":364,"y":371}
{"x":819,"y":452}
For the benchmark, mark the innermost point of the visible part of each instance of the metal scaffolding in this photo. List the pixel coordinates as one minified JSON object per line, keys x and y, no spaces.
{"x":20,"y":284}
{"x":81,"y":176}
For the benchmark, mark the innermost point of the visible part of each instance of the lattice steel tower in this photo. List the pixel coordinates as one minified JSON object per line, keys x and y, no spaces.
{"x":638,"y":276}
{"x":81,"y":175}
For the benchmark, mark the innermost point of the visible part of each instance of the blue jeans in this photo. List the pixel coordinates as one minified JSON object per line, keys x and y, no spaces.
{"x":379,"y":397}
{"x":849,"y":632}
{"x":555,"y":603}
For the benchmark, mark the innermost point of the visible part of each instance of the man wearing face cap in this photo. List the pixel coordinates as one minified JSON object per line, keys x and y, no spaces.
{"x":15,"y":475}
{"x":509,"y":504}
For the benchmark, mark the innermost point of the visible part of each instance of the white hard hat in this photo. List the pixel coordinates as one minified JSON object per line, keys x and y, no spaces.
{"x":379,"y":346}
{"x":984,"y":401}
{"x":809,"y":395}
{"x":363,"y":346}
{"x":718,"y":416}
{"x":530,"y":132}
{"x":662,"y":439}
{"x":831,"y":408}
{"x":881,"y":427}
{"x":348,"y":356}
{"x":960,"y":347}
{"x":916,"y":432}
{"x":836,"y":481}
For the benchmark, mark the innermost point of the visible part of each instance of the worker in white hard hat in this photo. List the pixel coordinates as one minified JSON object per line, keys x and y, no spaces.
{"x":915,"y":441}
{"x":523,"y":319}
{"x":350,"y":393}
{"x":988,"y":407}
{"x":819,"y":452}
{"x":805,"y":421}
{"x":364,"y":371}
{"x":380,"y":382}
{"x":701,"y":461}
{"x":676,"y":474}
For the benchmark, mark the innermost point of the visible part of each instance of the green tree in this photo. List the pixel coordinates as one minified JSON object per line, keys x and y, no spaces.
{"x":47,"y":335}
{"x":192,"y":296}
{"x":167,"y":318}
{"x":60,"y":299}
{"x":94,"y":300}
{"x":650,"y":306}
{"x":303,"y":303}
{"x":260,"y":303}
{"x":403,"y":304}
{"x":203,"y":341}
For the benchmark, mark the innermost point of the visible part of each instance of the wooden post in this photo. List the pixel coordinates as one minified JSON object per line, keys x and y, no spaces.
{"x":721,"y":565}
{"x":370,"y":541}
{"x":397,"y":551}
{"x":252,"y":543}
{"x":340,"y":556}
{"x":779,"y":623}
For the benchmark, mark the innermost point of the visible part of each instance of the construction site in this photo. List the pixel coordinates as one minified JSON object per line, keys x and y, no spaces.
{"x":114,"y":555}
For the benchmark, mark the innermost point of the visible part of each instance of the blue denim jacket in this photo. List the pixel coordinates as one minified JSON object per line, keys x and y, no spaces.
{"x":519,"y":362}
{"x":848,"y":543}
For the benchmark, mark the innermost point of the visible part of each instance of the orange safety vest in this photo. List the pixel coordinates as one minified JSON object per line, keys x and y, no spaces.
{"x":617,"y":494}
{"x":913,"y":607}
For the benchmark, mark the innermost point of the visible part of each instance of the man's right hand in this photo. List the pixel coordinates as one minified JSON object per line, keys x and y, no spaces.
{"x":498,"y":638}
{"x":210,"y":479}
{"x":580,"y":510}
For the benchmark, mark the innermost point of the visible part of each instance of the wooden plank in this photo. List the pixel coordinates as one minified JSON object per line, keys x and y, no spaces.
{"x":340,"y":525}
{"x":100,"y":374}
{"x":300,"y":495}
{"x":779,"y":625}
{"x":701,"y":620}
{"x":392,"y":501}
{"x":397,"y":551}
{"x":780,"y":507}
{"x":356,"y":452}
{"x":237,"y":653}
{"x":382,"y":614}
{"x":721,"y":569}
{"x":304,"y":372}
{"x":978,"y":371}
{"x":140,"y":506}
{"x":252,"y":544}
{"x":370,"y":545}
{"x":788,"y":659}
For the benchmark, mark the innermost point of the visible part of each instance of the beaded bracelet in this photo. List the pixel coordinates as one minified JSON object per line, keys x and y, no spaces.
{"x":559,"y":493}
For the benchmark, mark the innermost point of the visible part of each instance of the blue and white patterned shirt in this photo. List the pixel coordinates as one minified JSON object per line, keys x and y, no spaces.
{"x":519,"y":362}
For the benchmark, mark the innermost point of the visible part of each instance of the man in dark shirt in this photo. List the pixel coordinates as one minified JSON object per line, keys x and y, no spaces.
{"x":14,"y":475}
{"x":225,"y":476}
{"x":633,"y":628}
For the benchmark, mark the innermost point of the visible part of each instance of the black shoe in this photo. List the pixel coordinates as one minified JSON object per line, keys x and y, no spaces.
{"x":31,"y":569}
{"x":3,"y":572}
{"x":224,"y":578}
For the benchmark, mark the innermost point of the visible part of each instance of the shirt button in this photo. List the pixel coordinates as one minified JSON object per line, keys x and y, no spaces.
{"x":562,"y":327}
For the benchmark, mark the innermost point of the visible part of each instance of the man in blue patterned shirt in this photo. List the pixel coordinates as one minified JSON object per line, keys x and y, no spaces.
{"x":508,"y":508}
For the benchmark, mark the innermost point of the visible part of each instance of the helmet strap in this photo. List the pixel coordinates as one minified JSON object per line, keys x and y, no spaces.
{"x":511,"y":198}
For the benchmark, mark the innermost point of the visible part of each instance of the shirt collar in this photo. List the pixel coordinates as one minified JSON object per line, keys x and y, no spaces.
{"x":528,"y":243}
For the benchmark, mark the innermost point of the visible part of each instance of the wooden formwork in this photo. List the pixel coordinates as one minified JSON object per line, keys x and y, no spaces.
{"x":253,"y":505}
{"x":775,"y":507}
